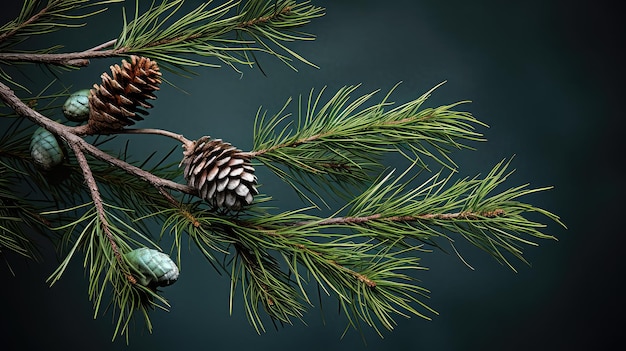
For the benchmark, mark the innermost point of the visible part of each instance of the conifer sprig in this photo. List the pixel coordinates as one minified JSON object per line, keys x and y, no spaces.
{"x":110,"y":278}
{"x":366,"y":255}
{"x":275,"y":24}
{"x":36,"y":18}
{"x":340,"y":143}
{"x":216,"y":32}
{"x":495,"y":221}
{"x":371,"y":280}
{"x":363,"y":256}
{"x":206,"y":36}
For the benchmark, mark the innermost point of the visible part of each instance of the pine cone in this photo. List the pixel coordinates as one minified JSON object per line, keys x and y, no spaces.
{"x":222,"y":173}
{"x":115,"y":103}
{"x":154,"y":268}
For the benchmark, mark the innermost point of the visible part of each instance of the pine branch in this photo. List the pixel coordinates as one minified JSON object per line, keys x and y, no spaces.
{"x":97,"y":201}
{"x":71,"y":136}
{"x":204,"y":32}
{"x":366,"y":254}
{"x":495,"y":223}
{"x":106,"y":262}
{"x":342,"y":142}
{"x":35,"y":20}
{"x":55,"y":15}
{"x":343,"y":265}
{"x":362,"y":255}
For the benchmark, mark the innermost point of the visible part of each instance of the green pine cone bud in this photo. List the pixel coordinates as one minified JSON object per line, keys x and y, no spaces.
{"x":153,"y":268}
{"x":76,"y":107}
{"x":45,"y":149}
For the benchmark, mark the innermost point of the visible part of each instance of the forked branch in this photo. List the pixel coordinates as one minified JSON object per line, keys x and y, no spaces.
{"x":75,"y":141}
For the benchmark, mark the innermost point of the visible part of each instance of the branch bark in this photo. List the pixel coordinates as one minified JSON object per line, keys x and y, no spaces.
{"x":465,"y":215}
{"x":76,"y":59}
{"x":95,"y":196}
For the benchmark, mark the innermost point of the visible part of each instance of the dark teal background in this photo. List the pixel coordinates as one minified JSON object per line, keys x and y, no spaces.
{"x":547,"y":77}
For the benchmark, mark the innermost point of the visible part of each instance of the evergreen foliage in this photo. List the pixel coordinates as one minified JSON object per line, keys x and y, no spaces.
{"x":98,"y":205}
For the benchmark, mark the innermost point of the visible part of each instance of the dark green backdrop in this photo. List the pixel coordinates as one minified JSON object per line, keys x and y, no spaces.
{"x":545,"y":75}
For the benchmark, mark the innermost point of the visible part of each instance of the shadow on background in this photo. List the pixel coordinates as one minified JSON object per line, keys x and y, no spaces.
{"x":546,"y":77}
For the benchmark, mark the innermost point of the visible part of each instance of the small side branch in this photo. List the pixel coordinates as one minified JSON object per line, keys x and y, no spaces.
{"x":318,"y":136}
{"x":179,"y":137}
{"x":252,"y":266}
{"x":95,"y":196}
{"x":81,"y":59}
{"x":6,"y":35}
{"x":359,"y":276}
{"x":465,"y":215}
{"x":102,"y":46}
{"x":294,"y":143}
{"x":76,"y":59}
{"x":297,"y":246}
{"x":264,"y":19}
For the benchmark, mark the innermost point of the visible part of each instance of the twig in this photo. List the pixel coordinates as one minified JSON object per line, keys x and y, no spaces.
{"x":95,"y":196}
{"x":85,"y":62}
{"x":318,"y":136}
{"x":78,"y":59}
{"x":256,"y":21}
{"x":465,"y":215}
{"x":103,"y":45}
{"x":249,"y":259}
{"x":81,"y":59}
{"x":34,"y":18}
{"x":360,"y":277}
{"x":186,"y":142}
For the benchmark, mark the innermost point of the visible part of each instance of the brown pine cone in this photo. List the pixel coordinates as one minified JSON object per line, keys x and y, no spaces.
{"x":222,"y":173}
{"x":115,"y":103}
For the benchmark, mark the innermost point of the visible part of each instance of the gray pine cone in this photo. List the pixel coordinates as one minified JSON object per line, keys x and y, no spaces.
{"x":222,"y":173}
